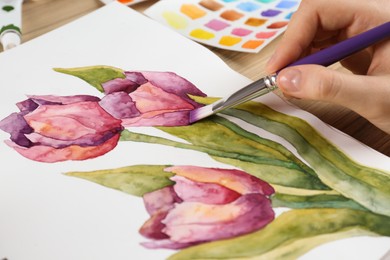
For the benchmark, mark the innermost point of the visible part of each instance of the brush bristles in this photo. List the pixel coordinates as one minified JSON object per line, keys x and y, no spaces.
{"x":200,"y":113}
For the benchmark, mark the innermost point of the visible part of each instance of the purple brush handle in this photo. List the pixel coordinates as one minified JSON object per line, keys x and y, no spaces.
{"x":346,"y":48}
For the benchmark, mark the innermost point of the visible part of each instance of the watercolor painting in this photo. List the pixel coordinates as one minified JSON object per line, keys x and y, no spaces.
{"x":239,"y":25}
{"x":207,"y":212}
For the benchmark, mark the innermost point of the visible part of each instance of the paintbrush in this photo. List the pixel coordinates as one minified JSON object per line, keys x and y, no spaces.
{"x":323,"y":57}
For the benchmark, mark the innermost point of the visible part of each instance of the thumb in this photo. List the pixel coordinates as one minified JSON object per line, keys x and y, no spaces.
{"x":366,"y":95}
{"x":315,"y":82}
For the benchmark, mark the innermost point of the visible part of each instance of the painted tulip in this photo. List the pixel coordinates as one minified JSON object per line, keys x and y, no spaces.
{"x":150,"y":99}
{"x":205,"y":204}
{"x":53,"y":128}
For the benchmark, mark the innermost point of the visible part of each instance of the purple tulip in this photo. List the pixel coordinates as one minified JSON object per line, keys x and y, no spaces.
{"x":205,"y":204}
{"x":53,"y":128}
{"x":150,"y":99}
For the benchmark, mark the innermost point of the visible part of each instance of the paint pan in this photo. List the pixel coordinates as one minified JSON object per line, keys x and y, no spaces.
{"x":239,"y":25}
{"x":126,"y":2}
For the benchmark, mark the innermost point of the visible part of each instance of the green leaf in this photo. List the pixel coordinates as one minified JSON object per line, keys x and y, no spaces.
{"x":94,"y":75}
{"x":367,"y":186}
{"x":292,"y":234}
{"x":313,"y":201}
{"x":135,"y":180}
{"x":205,"y":137}
{"x":219,"y":134}
{"x":276,"y":175}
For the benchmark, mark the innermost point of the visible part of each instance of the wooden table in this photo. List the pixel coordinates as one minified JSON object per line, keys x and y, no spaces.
{"x":42,"y":16}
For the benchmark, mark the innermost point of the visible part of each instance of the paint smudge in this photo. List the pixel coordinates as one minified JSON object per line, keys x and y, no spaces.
{"x":202,"y":34}
{"x":265,"y":35}
{"x":175,"y":20}
{"x":241,"y":32}
{"x":287,"y":4}
{"x":248,"y":6}
{"x":211,"y":5}
{"x":277,"y":25}
{"x":255,"y":21}
{"x":252,"y":44}
{"x":266,"y":1}
{"x":231,"y":15}
{"x":229,"y":40}
{"x":270,"y":13}
{"x":216,"y":25}
{"x":192,"y":11}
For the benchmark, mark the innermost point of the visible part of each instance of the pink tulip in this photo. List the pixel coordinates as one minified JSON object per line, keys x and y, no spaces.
{"x":150,"y":99}
{"x":53,"y":129}
{"x":199,"y":209}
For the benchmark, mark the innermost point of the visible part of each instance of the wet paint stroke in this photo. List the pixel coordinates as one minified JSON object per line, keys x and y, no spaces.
{"x":189,"y":204}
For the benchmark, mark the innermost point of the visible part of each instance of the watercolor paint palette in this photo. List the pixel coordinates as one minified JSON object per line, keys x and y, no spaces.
{"x":239,"y":25}
{"x":126,"y":2}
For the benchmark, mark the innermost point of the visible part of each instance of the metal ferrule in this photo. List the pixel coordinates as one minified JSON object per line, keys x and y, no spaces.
{"x":270,"y":82}
{"x":253,"y":90}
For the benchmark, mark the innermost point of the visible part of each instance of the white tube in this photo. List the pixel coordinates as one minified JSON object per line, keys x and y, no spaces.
{"x":10,"y":23}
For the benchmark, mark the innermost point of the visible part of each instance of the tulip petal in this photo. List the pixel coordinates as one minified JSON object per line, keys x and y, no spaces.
{"x":151,"y":98}
{"x":70,"y":122}
{"x":157,"y":204}
{"x":17,"y":127}
{"x":34,"y":101}
{"x":129,"y":84}
{"x":236,"y":180}
{"x":61,"y":100}
{"x":159,"y":118}
{"x":158,"y":108}
{"x":166,"y":243}
{"x":162,"y":199}
{"x":192,"y":222}
{"x":208,"y":193}
{"x":119,"y":105}
{"x":172,"y":83}
{"x":86,"y":140}
{"x":119,"y":85}
{"x":74,"y":152}
{"x":153,"y":227}
{"x":136,"y":77}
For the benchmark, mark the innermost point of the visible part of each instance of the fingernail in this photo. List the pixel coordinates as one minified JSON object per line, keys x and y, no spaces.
{"x":289,"y":81}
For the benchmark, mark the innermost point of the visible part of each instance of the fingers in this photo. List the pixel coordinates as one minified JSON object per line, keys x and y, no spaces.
{"x":314,"y":21}
{"x":293,"y":44}
{"x":368,"y":96}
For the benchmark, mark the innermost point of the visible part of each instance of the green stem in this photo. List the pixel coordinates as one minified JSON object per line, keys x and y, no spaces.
{"x":137,"y":137}
{"x":274,"y":171}
{"x":316,"y":201}
{"x":256,"y":138}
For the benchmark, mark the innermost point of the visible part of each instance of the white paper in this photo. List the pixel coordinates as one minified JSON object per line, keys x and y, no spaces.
{"x":46,"y":215}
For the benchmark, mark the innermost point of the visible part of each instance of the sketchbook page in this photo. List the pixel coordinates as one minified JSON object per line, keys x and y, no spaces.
{"x":49,"y":215}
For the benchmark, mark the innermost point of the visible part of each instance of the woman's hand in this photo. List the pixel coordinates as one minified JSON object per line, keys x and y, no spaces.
{"x":318,"y":24}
